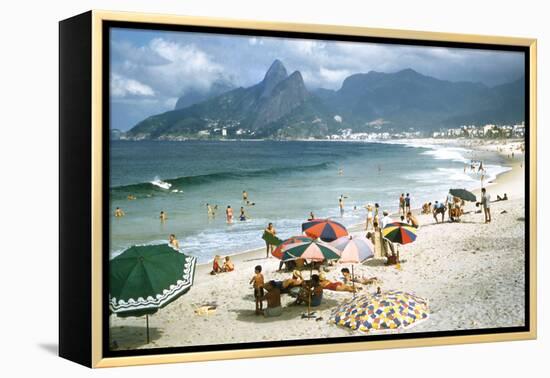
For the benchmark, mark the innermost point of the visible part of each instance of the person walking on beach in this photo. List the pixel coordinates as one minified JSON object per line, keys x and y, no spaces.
{"x":173,"y":242}
{"x":269,"y":247}
{"x":341,"y":204}
{"x":407,"y":204}
{"x":257,"y":282}
{"x":229,"y":214}
{"x":439,"y":208}
{"x":402,"y":204}
{"x":486,"y":203}
{"x":370,"y":217}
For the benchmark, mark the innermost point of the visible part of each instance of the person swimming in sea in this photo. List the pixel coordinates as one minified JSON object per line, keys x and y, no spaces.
{"x":163,"y":217}
{"x":173,"y":242}
{"x":119,"y":213}
{"x":245,"y":196}
{"x":242,"y":215}
{"x":229,"y":214}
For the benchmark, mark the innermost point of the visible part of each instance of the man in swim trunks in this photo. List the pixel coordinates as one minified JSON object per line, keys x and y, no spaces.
{"x":245,"y":196}
{"x":402,"y":203}
{"x":257,"y":282}
{"x":439,"y":208}
{"x":119,"y":213}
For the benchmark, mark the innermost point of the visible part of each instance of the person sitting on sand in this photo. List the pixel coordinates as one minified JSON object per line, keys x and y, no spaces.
{"x":412,"y":220}
{"x":228,"y":265}
{"x":216,"y":267}
{"x":173,"y":242}
{"x":162,"y":217}
{"x":257,"y":282}
{"x":119,"y":213}
{"x":439,"y":208}
{"x":335,"y":285}
{"x":499,"y":198}
{"x":295,"y":280}
{"x":311,"y":292}
{"x":273,"y":298}
{"x":347,"y":278}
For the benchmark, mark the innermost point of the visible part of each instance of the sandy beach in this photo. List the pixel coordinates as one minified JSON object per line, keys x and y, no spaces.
{"x":472,"y":273}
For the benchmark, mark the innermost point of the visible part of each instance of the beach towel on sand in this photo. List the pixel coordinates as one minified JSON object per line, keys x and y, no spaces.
{"x":271,"y":239}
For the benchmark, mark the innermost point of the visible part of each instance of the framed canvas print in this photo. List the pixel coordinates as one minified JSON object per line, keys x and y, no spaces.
{"x":234,"y":189}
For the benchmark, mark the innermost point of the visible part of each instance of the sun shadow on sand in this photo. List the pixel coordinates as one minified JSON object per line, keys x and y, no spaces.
{"x":375,"y":262}
{"x":289,"y":312}
{"x":131,"y":337}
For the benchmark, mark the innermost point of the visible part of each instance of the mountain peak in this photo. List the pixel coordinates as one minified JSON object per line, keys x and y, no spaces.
{"x":274,"y":75}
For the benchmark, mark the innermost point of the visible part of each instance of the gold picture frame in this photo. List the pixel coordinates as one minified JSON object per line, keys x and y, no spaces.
{"x":93,"y":24}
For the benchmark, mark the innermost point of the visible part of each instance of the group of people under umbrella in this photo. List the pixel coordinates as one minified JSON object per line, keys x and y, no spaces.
{"x":145,"y":278}
{"x":325,"y":240}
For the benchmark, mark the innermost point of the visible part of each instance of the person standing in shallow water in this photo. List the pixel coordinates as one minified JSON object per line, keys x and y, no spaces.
{"x":486,"y":203}
{"x":402,"y":203}
{"x":245,"y":196}
{"x":407,"y":204}
{"x":229,"y":214}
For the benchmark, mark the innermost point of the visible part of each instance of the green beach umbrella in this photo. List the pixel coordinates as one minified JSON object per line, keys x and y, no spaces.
{"x":145,"y":278}
{"x":463,"y":194}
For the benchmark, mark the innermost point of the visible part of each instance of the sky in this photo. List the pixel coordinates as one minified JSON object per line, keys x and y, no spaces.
{"x":150,"y":69}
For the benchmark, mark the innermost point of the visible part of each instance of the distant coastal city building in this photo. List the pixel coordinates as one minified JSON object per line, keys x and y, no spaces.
{"x":485,"y":131}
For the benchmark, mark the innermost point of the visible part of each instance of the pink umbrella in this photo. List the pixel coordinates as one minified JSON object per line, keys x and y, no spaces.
{"x":353,"y":250}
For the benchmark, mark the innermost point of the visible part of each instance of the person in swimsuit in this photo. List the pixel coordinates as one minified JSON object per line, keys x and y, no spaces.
{"x":439,"y":208}
{"x":412,"y":220}
{"x":362,"y":280}
{"x":273,"y":299}
{"x":311,"y":216}
{"x":245,"y":196}
{"x":229,"y":214}
{"x":269,"y":247}
{"x":119,"y":213}
{"x":173,"y":242}
{"x":216,"y":268}
{"x":341,"y":205}
{"x":295,"y":280}
{"x":228,"y":265}
{"x":334,"y":285}
{"x":402,"y":203}
{"x":242,"y":215}
{"x":162,"y":217}
{"x":370,"y":216}
{"x":486,"y":203}
{"x":257,"y":282}
{"x":407,"y":203}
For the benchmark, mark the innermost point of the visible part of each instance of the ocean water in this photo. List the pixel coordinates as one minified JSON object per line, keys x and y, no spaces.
{"x":285,"y":180}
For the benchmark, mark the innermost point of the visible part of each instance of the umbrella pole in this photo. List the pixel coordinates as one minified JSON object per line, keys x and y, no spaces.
{"x":352,"y":281}
{"x":147,"y":325}
{"x":309,"y":291}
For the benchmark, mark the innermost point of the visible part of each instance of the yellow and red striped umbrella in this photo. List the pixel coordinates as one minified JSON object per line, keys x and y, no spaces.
{"x":399,"y":232}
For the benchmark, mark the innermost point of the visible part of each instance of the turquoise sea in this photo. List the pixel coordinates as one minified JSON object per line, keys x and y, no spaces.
{"x":285,"y":179}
